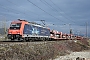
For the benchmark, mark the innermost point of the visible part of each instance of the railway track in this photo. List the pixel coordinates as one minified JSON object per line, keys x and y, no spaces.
{"x":20,"y":42}
{"x":33,"y":43}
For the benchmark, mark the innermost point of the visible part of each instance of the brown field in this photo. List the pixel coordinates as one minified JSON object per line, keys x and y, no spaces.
{"x":40,"y":50}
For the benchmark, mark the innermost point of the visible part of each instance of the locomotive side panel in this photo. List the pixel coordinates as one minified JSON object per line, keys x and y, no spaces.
{"x":35,"y":31}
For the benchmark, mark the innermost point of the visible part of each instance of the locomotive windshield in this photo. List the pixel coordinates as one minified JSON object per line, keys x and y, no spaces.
{"x":15,"y":26}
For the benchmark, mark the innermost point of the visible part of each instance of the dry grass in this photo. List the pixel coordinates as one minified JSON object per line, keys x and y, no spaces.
{"x":44,"y":51}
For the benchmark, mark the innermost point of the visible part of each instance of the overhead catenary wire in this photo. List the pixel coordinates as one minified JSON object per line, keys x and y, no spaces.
{"x":18,"y":12}
{"x":63,"y":11}
{"x":38,"y":15}
{"x":44,"y":10}
{"x":59,"y":12}
{"x":52,"y":7}
{"x":26,"y":14}
{"x":46,"y":4}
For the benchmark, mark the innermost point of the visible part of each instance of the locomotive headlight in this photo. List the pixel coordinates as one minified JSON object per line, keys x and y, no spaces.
{"x":18,"y":33}
{"x":10,"y":33}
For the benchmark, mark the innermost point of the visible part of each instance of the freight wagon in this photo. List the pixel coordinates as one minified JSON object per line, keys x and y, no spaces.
{"x":28,"y":31}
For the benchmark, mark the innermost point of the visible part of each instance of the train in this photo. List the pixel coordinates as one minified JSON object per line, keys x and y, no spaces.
{"x":56,"y":35}
{"x":23,"y":30}
{"x":27,"y":31}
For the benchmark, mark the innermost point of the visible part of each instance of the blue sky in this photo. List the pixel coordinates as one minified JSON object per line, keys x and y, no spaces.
{"x":60,"y":15}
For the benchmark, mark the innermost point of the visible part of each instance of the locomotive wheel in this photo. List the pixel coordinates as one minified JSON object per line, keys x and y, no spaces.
{"x":31,"y":40}
{"x":12,"y":39}
{"x":43,"y":39}
{"x":24,"y":40}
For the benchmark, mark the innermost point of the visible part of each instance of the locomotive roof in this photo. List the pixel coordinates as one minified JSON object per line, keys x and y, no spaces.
{"x":39,"y":25}
{"x":34,"y":23}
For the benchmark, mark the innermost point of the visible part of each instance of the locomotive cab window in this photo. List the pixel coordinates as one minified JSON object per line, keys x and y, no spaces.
{"x":15,"y":26}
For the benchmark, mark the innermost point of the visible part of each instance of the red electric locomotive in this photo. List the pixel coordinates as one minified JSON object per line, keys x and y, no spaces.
{"x":24,"y":30}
